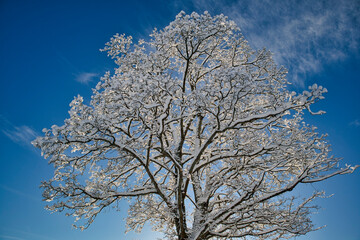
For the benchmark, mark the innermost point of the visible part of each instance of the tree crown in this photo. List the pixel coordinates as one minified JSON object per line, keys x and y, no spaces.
{"x":198,"y":131}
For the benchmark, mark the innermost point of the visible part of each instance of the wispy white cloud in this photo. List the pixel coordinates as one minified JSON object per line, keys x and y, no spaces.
{"x":10,"y":237}
{"x":19,"y":193}
{"x":22,"y":135}
{"x":17,"y":234}
{"x":86,"y":77}
{"x":80,"y":76}
{"x":355,"y":123}
{"x":303,"y":35}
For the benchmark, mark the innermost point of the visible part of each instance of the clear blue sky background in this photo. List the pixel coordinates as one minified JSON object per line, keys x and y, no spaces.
{"x":49,"y":53}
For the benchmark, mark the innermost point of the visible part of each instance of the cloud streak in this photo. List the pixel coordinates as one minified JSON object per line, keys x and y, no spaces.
{"x":20,"y":235}
{"x":303,"y":35}
{"x":85,"y":77}
{"x":22,"y":135}
{"x":10,"y":237}
{"x":355,"y":123}
{"x":19,"y":193}
{"x":80,"y":76}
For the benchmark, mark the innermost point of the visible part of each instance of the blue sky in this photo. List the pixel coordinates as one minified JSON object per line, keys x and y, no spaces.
{"x":49,"y":53}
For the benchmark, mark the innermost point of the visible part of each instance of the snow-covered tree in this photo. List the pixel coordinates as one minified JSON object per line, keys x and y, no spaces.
{"x":198,"y":132}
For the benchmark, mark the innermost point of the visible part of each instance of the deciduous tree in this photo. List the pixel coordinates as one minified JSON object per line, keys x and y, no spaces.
{"x":198,"y":131}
